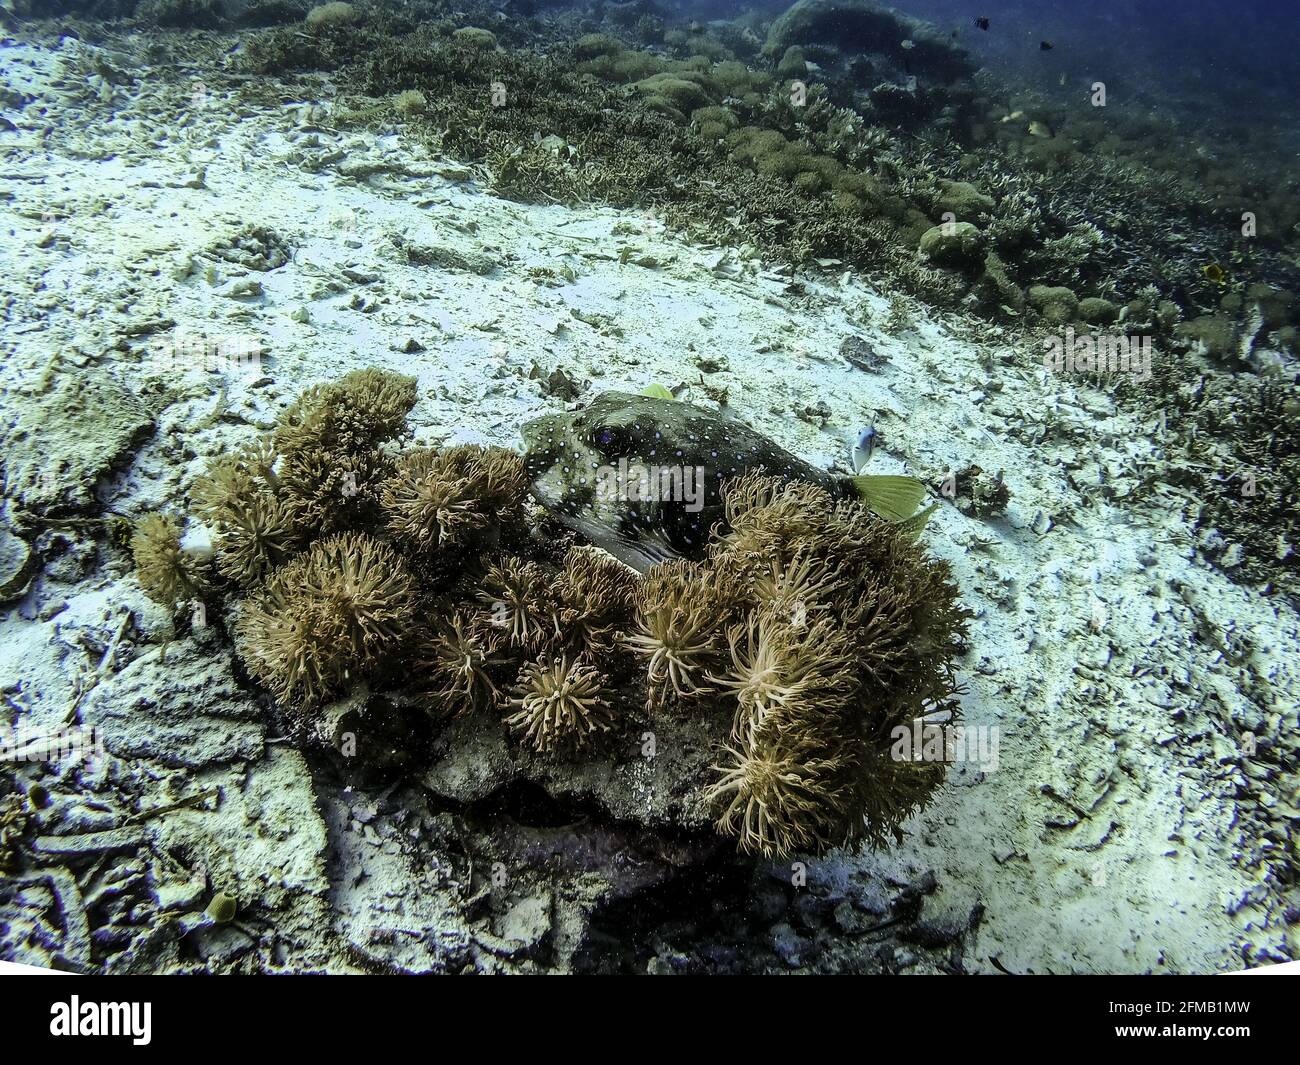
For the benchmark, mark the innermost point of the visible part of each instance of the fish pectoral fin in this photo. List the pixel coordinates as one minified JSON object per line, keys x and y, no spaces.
{"x":893,"y":497}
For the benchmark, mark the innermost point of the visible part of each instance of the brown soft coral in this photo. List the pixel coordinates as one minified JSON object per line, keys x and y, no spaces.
{"x":596,"y":592}
{"x":329,"y":616}
{"x":561,"y":705}
{"x":777,"y":801}
{"x":522,"y":603}
{"x":850,"y":634}
{"x":682,"y":611}
{"x":456,"y":663}
{"x":166,"y":573}
{"x":438,"y":499}
{"x":256,"y":527}
{"x":330,"y":441}
{"x":783,"y":674}
{"x":364,"y":409}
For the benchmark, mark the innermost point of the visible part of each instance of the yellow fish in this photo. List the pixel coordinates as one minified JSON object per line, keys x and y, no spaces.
{"x":1039,"y":129}
{"x":1216,"y":273}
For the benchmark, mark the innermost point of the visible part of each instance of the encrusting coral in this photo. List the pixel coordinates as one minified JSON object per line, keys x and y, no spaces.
{"x":810,"y":632}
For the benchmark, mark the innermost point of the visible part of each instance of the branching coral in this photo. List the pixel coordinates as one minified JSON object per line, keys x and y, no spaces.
{"x":561,"y":705}
{"x":456,"y":663}
{"x":439,"y":499}
{"x":332,"y":612}
{"x":166,"y":573}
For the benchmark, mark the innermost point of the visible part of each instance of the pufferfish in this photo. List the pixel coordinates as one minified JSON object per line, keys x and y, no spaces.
{"x":641,"y":476}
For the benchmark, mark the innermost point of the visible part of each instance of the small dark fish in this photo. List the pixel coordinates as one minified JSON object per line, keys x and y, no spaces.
{"x":641,"y":476}
{"x":982,"y":23}
{"x":1045,"y":46}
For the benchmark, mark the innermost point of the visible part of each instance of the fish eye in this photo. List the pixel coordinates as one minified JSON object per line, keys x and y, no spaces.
{"x":610,"y":438}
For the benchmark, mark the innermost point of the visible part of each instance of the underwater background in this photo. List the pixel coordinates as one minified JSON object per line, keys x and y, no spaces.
{"x":649,"y":487}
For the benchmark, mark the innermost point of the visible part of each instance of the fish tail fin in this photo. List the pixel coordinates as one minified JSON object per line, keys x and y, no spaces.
{"x":892,"y":497}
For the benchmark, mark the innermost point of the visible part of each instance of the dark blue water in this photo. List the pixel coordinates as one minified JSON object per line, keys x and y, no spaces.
{"x":1236,"y":61}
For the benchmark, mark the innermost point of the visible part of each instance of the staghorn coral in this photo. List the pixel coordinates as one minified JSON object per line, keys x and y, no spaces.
{"x":456,"y":662}
{"x":166,"y":573}
{"x":561,"y":704}
{"x":439,"y":499}
{"x":325,"y":617}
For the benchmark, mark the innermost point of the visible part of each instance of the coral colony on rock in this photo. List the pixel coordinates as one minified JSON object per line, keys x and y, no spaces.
{"x":647,"y":487}
{"x":806,"y":632}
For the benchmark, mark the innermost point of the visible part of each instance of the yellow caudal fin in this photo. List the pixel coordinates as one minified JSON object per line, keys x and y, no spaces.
{"x":915,"y":525}
{"x":657,"y":392}
{"x":894,"y":498}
